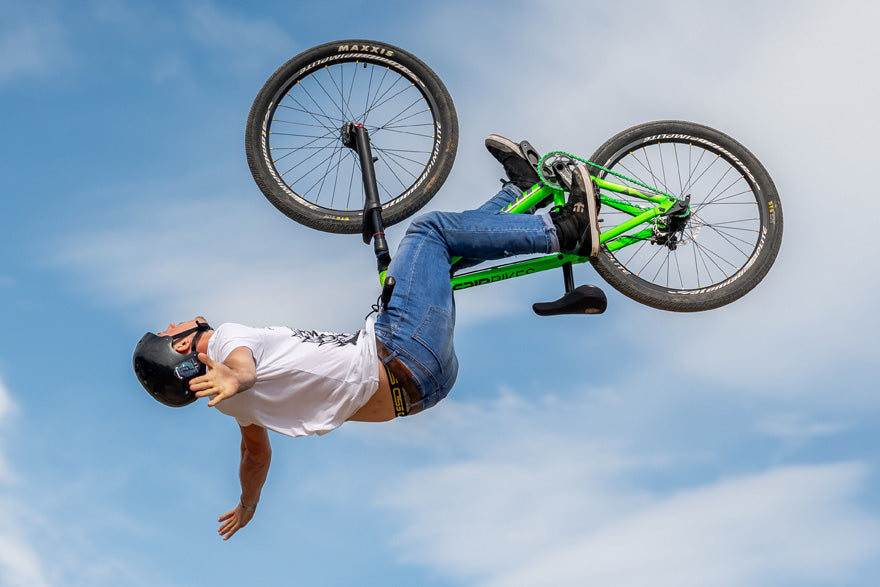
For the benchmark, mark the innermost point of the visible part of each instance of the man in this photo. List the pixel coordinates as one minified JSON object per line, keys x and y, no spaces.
{"x":298,"y":382}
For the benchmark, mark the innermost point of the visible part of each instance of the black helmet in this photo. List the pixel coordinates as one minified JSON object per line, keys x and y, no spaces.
{"x":164,"y":372}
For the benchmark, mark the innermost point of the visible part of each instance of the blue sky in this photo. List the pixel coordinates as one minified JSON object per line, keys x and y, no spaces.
{"x":737,"y":447}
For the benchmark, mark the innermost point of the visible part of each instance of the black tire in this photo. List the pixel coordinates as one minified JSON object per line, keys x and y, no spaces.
{"x":313,"y":178}
{"x":732,"y":237}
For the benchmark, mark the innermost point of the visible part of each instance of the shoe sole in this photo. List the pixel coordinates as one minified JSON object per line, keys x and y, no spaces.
{"x":503,"y":144}
{"x":581,"y":180}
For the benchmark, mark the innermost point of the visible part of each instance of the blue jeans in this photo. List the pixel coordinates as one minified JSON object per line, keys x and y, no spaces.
{"x":417,"y":324}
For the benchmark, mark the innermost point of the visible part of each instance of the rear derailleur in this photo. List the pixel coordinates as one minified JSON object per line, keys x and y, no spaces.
{"x":668,"y":228}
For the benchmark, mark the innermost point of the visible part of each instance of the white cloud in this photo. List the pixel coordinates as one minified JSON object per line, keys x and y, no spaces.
{"x":532,"y":498}
{"x":52,"y":535}
{"x":226,"y":257}
{"x":29,"y":48}
{"x":244,"y":40}
{"x":260,"y":269}
{"x":19,"y":562}
{"x":797,"y":426}
{"x":749,"y":69}
{"x":788,"y":525}
{"x":7,"y":408}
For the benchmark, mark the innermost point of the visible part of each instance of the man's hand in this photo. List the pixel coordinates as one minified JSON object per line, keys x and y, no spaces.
{"x":220,"y":381}
{"x":256,"y":454}
{"x":233,"y":521}
{"x":223,"y":380}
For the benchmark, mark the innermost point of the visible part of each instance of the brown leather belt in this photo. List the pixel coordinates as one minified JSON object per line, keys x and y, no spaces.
{"x":406,"y":396}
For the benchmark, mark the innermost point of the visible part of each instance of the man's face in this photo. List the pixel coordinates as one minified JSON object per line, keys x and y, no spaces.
{"x":180,"y":327}
{"x":184,"y":344}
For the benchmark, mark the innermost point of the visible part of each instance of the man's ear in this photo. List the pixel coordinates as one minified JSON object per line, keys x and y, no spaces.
{"x":184,"y":344}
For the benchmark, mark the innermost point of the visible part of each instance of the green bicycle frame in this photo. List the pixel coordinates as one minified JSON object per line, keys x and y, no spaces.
{"x":614,"y":238}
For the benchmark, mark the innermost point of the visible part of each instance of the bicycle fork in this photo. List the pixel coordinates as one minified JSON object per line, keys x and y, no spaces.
{"x":356,"y":137}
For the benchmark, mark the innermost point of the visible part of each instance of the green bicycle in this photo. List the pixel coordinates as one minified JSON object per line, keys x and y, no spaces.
{"x":690,"y":220}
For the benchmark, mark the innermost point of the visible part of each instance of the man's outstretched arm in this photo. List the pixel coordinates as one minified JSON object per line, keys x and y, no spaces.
{"x":256,"y":455}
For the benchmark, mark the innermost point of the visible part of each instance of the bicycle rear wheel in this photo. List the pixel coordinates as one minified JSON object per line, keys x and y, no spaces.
{"x":293,"y":138}
{"x":730,"y":240}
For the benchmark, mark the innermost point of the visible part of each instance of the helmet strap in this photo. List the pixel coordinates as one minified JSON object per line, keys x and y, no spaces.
{"x":200,"y":328}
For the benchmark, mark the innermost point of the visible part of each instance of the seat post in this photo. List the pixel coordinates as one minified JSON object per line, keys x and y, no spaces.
{"x":568,"y":275}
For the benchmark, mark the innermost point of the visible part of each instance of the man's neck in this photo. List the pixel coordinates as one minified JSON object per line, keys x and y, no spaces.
{"x":202,"y":345}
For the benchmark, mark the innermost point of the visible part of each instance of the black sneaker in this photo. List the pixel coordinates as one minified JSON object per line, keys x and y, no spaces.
{"x":519,"y":171}
{"x":577,"y":223}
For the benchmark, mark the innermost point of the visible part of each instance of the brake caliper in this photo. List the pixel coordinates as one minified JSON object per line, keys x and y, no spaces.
{"x":667,"y":228}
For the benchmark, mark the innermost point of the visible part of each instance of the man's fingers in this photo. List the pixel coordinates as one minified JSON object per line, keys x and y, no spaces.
{"x":198,"y":380}
{"x":206,"y":360}
{"x":229,"y":528}
{"x":197,"y":385}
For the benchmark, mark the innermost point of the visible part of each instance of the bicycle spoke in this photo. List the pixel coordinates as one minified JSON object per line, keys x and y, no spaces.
{"x":305,"y":132}
{"x":323,"y":177}
{"x":388,"y":124}
{"x":390,"y":169}
{"x":336,"y":180}
{"x":315,"y":115}
{"x":372,"y":97}
{"x":309,"y":94}
{"x":692,"y":169}
{"x":713,"y":255}
{"x":378,"y":96}
{"x":387,"y":150}
{"x":722,"y":232}
{"x":636,"y":252}
{"x":304,"y":110}
{"x":315,"y":153}
{"x":703,"y":256}
{"x":320,"y":164}
{"x":343,"y":104}
{"x":678,"y":269}
{"x":428,"y":124}
{"x":336,"y":153}
{"x":400,"y":158}
{"x":678,"y":168}
{"x":397,"y":116}
{"x":662,"y":165}
{"x":279,"y":120}
{"x":730,"y":238}
{"x":648,"y":262}
{"x":338,"y":104}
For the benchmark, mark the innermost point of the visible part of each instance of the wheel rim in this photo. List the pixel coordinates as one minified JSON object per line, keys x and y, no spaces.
{"x":303,"y":133}
{"x":724,"y":231}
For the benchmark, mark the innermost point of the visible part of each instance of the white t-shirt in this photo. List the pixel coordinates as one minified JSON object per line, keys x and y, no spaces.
{"x":307,"y":382}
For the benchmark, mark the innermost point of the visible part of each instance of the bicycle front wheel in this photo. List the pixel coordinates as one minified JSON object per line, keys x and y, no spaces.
{"x":731,"y":238}
{"x":294,"y":142}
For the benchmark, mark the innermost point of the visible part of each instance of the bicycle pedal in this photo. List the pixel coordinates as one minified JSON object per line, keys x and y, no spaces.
{"x":586,"y":299}
{"x":563,"y":174}
{"x":530,"y":153}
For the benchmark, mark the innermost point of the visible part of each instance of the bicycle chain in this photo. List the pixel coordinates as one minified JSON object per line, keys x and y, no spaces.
{"x":605,"y":169}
